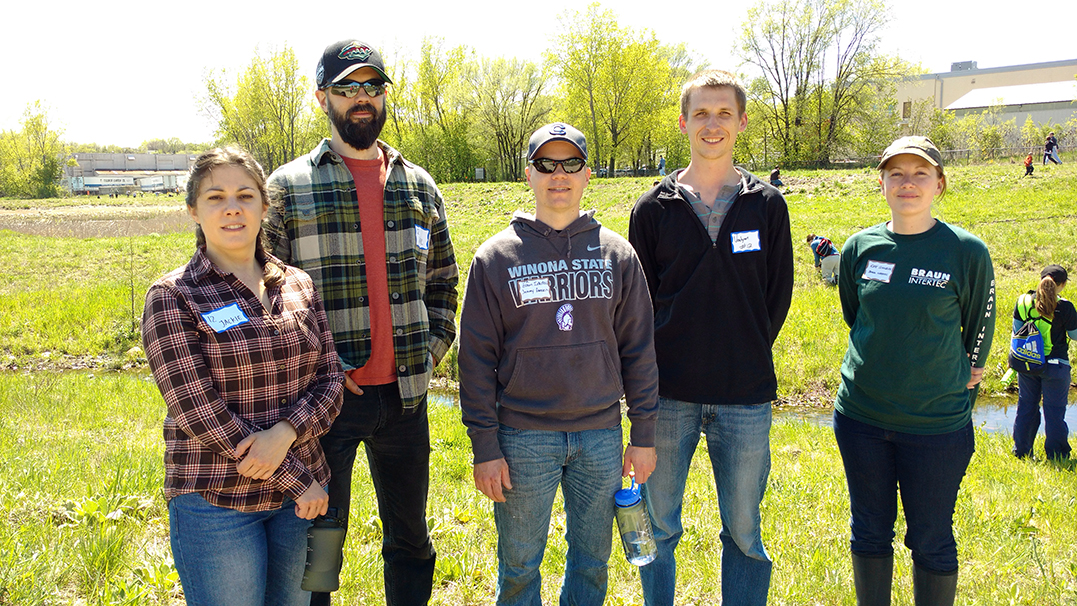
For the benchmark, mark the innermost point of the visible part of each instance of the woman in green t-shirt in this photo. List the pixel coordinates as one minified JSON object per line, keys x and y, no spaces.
{"x":918,"y":296}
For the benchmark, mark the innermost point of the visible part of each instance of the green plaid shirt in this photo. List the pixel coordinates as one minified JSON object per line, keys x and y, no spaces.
{"x":314,"y":225}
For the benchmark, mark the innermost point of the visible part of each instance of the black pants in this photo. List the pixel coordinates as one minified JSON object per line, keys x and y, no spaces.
{"x":398,"y":451}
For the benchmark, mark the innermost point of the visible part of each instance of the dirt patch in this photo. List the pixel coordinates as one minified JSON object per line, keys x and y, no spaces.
{"x":97,"y":221}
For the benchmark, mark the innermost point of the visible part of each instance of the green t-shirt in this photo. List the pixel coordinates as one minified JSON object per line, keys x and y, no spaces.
{"x":921,"y":312}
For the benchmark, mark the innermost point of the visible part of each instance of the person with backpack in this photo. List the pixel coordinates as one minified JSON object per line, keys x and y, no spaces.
{"x":1050,"y":150}
{"x":918,"y":295}
{"x":1055,"y":322}
{"x":827,"y":257}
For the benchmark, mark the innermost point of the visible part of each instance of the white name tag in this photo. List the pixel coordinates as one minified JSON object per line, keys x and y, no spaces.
{"x":879,"y":271}
{"x":422,"y":237}
{"x":226,"y":317}
{"x":535,"y":289}
{"x":745,"y":241}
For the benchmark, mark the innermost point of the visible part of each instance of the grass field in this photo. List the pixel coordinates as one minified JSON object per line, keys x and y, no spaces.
{"x":82,"y":519}
{"x":68,"y":301}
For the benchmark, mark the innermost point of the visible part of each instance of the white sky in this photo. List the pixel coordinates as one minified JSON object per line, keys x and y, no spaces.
{"x":124,"y":71}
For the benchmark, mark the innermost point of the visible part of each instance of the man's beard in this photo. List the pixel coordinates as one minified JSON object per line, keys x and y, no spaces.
{"x":362,"y":134}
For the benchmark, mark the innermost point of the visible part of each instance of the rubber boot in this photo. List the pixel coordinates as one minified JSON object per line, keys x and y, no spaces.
{"x":872,"y":578}
{"x":930,"y":589}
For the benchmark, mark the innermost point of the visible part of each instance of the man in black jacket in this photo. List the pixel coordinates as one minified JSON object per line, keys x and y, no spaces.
{"x":715,"y":246}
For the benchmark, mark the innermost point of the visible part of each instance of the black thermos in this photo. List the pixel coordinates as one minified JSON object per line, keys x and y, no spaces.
{"x":325,"y":544}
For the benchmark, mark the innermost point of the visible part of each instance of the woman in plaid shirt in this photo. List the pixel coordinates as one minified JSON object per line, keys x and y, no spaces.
{"x":240,"y":347}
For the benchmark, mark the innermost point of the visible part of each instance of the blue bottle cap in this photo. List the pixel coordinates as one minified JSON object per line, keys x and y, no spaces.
{"x":627,"y":497}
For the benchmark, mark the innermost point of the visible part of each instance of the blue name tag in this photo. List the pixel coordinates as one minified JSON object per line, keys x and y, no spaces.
{"x":745,"y":241}
{"x":226,"y":317}
{"x":422,"y":237}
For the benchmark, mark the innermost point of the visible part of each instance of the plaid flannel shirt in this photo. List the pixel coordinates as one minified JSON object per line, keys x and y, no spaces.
{"x":314,"y":225}
{"x":224,"y":379}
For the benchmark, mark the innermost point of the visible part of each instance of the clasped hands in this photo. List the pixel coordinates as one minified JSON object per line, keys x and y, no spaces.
{"x":261,"y":454}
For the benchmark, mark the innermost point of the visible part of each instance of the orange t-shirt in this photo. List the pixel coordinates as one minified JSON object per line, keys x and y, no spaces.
{"x":369,"y":177}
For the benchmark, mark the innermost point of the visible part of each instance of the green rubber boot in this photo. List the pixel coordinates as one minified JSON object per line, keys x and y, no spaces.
{"x":872,"y":578}
{"x":930,"y":589}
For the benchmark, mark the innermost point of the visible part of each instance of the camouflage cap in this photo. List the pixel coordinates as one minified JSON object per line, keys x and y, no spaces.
{"x":915,"y":145}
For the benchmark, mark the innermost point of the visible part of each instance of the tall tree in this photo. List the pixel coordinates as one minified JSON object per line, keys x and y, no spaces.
{"x":429,"y":115}
{"x":507,"y":104}
{"x":577,"y":60}
{"x":270,"y":110}
{"x":820,"y":69}
{"x":615,"y":81}
{"x":31,"y":158}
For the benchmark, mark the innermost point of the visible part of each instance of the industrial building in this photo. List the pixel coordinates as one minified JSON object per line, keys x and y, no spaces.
{"x":1046,"y":92}
{"x":94,"y":173}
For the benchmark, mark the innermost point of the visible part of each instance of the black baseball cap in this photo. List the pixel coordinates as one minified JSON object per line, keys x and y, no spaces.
{"x":344,"y":57}
{"x":1057,"y":273}
{"x":557,"y":131}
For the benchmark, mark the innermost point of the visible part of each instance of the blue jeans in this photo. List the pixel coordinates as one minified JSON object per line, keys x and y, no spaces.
{"x":738,"y":441}
{"x":1054,"y":387}
{"x":587,"y":466}
{"x":398,"y":452}
{"x":225,"y":556}
{"x":928,"y":470}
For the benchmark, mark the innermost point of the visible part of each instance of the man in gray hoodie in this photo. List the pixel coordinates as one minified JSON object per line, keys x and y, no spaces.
{"x":556,"y":327}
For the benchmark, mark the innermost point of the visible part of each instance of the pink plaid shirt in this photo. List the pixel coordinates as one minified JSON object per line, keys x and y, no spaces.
{"x":228,"y":368}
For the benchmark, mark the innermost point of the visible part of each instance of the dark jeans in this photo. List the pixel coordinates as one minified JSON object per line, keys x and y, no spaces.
{"x":1054,"y":387}
{"x":398,"y":451}
{"x":927,"y":468}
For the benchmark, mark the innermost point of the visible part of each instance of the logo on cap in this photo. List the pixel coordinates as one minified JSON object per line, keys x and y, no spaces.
{"x":558,"y":129}
{"x":354,"y":51}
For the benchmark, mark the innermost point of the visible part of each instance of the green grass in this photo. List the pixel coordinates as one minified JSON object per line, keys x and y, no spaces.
{"x":70,"y":298}
{"x":83,"y":520}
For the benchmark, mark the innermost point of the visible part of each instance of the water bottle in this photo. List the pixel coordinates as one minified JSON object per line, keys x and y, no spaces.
{"x":325,"y":543}
{"x":634,"y":524}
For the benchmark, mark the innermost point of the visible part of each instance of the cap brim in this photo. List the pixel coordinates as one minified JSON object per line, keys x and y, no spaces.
{"x":351,"y":68}
{"x":531,"y":156}
{"x":912,"y":152}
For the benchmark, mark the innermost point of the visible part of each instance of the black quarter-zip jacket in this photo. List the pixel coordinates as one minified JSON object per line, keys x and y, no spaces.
{"x":718,"y":306}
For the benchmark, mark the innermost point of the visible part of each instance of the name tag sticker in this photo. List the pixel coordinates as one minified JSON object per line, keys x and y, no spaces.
{"x":535,"y":289}
{"x":879,"y":271}
{"x":745,"y":241}
{"x":226,"y":317}
{"x":422,"y":237}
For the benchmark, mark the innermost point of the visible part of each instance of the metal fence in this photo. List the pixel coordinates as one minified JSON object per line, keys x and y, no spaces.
{"x":965,"y":157}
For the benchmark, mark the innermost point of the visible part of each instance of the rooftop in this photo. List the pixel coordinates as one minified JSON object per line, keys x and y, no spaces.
{"x":1020,"y":94}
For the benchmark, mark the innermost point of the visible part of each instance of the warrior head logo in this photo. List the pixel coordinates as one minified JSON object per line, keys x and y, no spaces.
{"x":564,"y":317}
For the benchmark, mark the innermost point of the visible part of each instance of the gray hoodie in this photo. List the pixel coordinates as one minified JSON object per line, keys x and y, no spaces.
{"x":556,"y":326}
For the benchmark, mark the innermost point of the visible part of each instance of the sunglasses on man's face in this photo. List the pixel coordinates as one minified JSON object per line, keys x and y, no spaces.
{"x":349,"y":89}
{"x":547,"y":165}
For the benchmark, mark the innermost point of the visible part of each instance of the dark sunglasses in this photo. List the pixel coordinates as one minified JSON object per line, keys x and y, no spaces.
{"x":570,"y":165}
{"x":373,"y":88}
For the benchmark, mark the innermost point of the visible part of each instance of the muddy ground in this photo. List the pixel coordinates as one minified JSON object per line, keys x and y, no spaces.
{"x":97,"y":221}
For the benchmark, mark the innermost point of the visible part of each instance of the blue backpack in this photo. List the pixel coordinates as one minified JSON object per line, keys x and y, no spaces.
{"x":1030,"y":344}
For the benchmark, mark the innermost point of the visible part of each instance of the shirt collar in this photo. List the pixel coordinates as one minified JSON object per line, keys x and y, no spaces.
{"x":201,"y":267}
{"x":324,"y":154}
